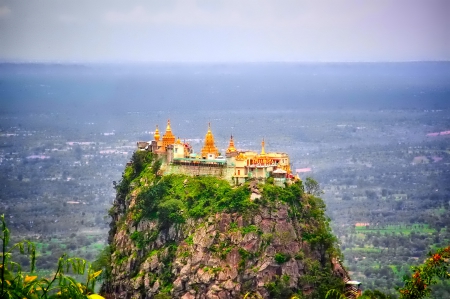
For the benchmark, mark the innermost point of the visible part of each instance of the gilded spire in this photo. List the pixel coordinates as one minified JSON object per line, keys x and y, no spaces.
{"x":263,"y":150}
{"x":209,"y":147}
{"x":168,"y":137}
{"x":231,"y":148}
{"x":168,"y":129}
{"x":156,"y":135}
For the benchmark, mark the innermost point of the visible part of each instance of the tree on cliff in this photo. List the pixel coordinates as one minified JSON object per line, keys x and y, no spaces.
{"x":312,"y":187}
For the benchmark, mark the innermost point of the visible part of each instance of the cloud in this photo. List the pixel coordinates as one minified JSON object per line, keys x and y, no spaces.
{"x":4,"y":11}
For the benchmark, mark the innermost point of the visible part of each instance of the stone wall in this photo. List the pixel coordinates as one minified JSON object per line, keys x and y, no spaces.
{"x":217,"y":171}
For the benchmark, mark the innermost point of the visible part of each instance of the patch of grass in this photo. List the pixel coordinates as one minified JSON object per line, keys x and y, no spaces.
{"x":233,"y":227}
{"x":245,"y":255}
{"x":224,"y":249}
{"x":364,"y":249}
{"x":190,"y":240}
{"x":251,"y":228}
{"x":152,"y":253}
{"x":397,"y":229}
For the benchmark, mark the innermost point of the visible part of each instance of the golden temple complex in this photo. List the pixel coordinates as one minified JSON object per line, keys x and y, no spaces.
{"x":236,"y":166}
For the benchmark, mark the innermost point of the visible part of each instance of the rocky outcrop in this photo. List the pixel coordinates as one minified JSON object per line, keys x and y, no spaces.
{"x":279,"y":247}
{"x":223,"y":256}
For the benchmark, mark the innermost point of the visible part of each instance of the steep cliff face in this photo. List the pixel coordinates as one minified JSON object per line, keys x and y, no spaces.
{"x":197,"y":237}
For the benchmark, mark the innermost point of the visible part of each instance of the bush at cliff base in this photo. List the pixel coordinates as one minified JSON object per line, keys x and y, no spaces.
{"x":16,"y":283}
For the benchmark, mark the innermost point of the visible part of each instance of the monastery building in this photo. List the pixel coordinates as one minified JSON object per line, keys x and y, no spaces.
{"x":236,"y":166}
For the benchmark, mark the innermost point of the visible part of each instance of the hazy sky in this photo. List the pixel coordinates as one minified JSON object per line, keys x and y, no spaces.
{"x":225,"y":30}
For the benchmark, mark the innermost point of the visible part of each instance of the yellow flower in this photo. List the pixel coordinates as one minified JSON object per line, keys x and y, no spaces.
{"x":81,"y":287}
{"x":94,"y":275}
{"x":29,"y":278}
{"x":95,"y":296}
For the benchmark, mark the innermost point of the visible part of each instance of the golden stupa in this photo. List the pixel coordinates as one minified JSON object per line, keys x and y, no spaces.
{"x":168,"y":137}
{"x":209,"y":147}
{"x":156,"y":135}
{"x":231,"y":148}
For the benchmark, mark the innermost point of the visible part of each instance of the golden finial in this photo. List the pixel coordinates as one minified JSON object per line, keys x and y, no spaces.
{"x":263,"y":150}
{"x":156,"y":135}
{"x":168,"y":126}
{"x":178,"y":140}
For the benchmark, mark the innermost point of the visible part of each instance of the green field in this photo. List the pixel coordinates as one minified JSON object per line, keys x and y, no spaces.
{"x":363,"y":250}
{"x":396,"y":229}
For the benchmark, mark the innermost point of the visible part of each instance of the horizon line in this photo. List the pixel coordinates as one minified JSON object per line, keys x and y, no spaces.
{"x":73,"y":62}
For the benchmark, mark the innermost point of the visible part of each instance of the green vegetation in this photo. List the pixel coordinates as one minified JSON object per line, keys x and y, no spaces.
{"x":381,"y":255}
{"x":281,"y":258}
{"x":312,"y":187}
{"x":309,"y":212}
{"x":436,"y":266}
{"x":279,"y":288}
{"x":174,"y":198}
{"x":245,"y":255}
{"x":103,"y":262}
{"x":397,"y":229}
{"x":291,"y":194}
{"x":320,"y":278}
{"x":190,"y":240}
{"x":375,"y":294}
{"x":233,"y":227}
{"x":139,"y":239}
{"x":16,"y":283}
{"x":251,"y":228}
{"x":417,"y":286}
{"x":167,"y":277}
